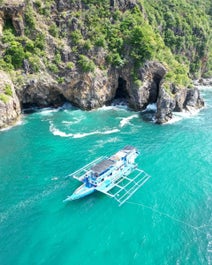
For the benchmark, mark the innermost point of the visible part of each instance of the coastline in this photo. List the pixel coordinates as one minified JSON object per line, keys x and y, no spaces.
{"x":200,"y":84}
{"x":203,"y":82}
{"x":18,"y":122}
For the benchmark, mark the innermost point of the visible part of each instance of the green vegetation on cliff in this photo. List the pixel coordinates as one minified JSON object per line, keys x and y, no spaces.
{"x":185,"y":26}
{"x":175,"y":32}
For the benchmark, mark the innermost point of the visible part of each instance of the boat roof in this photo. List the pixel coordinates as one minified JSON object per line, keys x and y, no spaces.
{"x":129,"y":147}
{"x":102,"y":166}
{"x":105,"y":164}
{"x":123,"y":152}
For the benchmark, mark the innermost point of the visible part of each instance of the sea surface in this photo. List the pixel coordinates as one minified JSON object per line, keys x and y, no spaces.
{"x":167,"y":221}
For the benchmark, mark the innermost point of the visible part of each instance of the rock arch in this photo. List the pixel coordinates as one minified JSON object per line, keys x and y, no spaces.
{"x":151,"y":76}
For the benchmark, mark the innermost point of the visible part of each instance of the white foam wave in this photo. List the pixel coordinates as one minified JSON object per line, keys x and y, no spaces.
{"x":113,"y":107}
{"x":75,"y":121}
{"x":18,"y":123}
{"x":48,"y":111}
{"x":110,"y":140}
{"x":60,"y":133}
{"x":110,"y":131}
{"x":204,"y":88}
{"x":126,"y":120}
{"x":67,"y":122}
{"x":102,"y":143}
{"x":81,"y":135}
{"x":177,"y":116}
{"x":67,"y":105}
{"x":152,"y":107}
{"x":174,"y":120}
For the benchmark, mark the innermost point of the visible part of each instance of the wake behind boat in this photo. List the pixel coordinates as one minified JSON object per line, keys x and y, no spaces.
{"x":116,"y":176}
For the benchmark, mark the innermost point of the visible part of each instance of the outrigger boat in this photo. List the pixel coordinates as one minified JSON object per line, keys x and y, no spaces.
{"x":116,"y":176}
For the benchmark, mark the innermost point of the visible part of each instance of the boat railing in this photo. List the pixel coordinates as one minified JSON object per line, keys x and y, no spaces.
{"x":78,"y":174}
{"x":125,"y":186}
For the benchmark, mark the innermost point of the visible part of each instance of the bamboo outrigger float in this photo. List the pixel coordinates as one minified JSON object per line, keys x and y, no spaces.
{"x":116,"y":176}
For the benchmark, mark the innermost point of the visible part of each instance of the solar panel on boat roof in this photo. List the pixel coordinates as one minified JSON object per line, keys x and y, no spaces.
{"x":128,"y":147}
{"x":102,"y":166}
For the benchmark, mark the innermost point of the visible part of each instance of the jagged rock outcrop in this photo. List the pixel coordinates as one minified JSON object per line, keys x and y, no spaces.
{"x":167,"y":100}
{"x":123,"y":4}
{"x":151,"y":76}
{"x":90,"y":90}
{"x":193,"y":99}
{"x":65,"y":5}
{"x":40,"y":91}
{"x":203,"y":82}
{"x":13,"y":10}
{"x":9,"y":104}
{"x":182,"y":99}
{"x":165,"y":106}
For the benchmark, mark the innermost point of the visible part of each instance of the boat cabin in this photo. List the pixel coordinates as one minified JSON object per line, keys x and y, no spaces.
{"x":106,"y":167}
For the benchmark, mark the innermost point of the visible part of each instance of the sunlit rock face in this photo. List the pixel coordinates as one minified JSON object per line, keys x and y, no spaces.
{"x":10,"y":109}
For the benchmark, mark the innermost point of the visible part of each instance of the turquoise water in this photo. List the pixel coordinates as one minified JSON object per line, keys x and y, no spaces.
{"x":168,"y":221}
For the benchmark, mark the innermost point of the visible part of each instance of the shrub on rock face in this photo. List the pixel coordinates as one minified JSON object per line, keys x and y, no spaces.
{"x":16,"y":51}
{"x":70,"y":65}
{"x":115,"y":59}
{"x":34,"y":62}
{"x":7,"y":93}
{"x":30,"y":21}
{"x":53,"y":68}
{"x":76,"y":36}
{"x":8,"y":90}
{"x":138,"y":83}
{"x":86,"y":64}
{"x":4,"y":98}
{"x":40,"y":41}
{"x":53,"y":30}
{"x":141,"y":43}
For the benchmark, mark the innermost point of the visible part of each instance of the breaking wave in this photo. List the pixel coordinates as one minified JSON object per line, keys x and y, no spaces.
{"x":75,"y":121}
{"x":113,"y":107}
{"x":60,"y":133}
{"x":81,"y":135}
{"x":18,"y":123}
{"x":127,"y":120}
{"x":151,"y":107}
{"x":178,"y":116}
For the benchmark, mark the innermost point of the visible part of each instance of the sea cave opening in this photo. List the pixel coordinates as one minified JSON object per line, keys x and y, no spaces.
{"x":154,"y":89}
{"x":149,"y":113}
{"x":121,"y":95}
{"x":34,"y":104}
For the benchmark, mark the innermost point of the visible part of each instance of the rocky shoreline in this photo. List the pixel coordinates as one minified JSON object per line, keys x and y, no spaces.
{"x":93,"y":91}
{"x":203,"y":82}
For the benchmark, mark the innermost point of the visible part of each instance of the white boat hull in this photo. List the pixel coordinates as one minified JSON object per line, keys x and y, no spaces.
{"x":80,"y":192}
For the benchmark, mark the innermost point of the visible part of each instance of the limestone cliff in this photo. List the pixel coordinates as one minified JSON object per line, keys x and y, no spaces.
{"x":9,"y":104}
{"x":88,"y":54}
